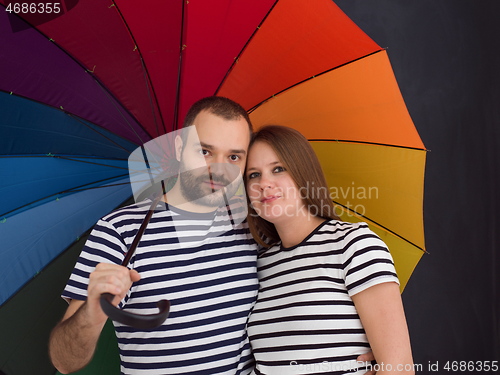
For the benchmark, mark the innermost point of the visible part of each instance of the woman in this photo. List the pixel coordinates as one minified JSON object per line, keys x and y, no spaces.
{"x":327,"y":287}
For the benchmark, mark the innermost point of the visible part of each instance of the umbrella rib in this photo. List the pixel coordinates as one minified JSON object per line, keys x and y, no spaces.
{"x":78,"y":189}
{"x":179,"y":71}
{"x":96,"y":131}
{"x":244,"y":47}
{"x":149,"y":87}
{"x":380,"y":226}
{"x":91,"y":162}
{"x":59,"y":156}
{"x":72,"y":190}
{"x":365,"y":143}
{"x":314,"y":76}
{"x":114,"y":104}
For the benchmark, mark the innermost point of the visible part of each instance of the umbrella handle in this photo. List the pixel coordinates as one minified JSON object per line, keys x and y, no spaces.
{"x":125,"y":317}
{"x":135,"y":320}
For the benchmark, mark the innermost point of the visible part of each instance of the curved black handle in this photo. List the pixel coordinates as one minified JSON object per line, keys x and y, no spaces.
{"x":135,"y":320}
{"x":125,"y":317}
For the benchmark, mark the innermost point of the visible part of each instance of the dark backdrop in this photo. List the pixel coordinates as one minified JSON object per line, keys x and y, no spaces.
{"x":446,"y":58}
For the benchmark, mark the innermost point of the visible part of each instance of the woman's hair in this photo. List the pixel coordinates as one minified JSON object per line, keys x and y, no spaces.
{"x":299,"y":159}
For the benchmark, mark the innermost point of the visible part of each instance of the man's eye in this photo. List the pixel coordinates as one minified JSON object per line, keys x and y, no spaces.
{"x":234,"y":157}
{"x":204,"y":152}
{"x":279,"y":169}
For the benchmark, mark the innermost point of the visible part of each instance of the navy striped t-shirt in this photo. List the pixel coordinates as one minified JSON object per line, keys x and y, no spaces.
{"x":201,"y":263}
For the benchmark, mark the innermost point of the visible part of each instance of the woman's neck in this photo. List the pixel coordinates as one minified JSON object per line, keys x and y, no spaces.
{"x":294,"y":231}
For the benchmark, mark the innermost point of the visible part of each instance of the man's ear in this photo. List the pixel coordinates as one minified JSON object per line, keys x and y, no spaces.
{"x":178,"y":147}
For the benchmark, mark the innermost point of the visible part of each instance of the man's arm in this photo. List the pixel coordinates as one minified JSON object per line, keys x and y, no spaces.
{"x":73,"y":341}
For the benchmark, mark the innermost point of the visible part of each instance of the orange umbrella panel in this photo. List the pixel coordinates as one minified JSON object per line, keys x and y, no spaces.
{"x":358,"y":102}
{"x":297,"y":40}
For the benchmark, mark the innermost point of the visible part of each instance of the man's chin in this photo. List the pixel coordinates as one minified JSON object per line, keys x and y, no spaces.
{"x":215,"y":200}
{"x":206,"y":196}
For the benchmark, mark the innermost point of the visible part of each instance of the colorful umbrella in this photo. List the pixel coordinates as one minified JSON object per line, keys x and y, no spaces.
{"x":81,"y":88}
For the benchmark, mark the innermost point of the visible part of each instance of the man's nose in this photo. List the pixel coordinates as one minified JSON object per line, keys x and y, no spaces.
{"x":216,"y":159}
{"x":229,"y":171}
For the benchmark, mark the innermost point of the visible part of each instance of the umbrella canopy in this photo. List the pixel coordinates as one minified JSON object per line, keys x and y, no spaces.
{"x":82,"y":88}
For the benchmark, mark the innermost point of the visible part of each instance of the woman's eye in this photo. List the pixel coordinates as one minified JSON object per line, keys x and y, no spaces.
{"x":279,"y":169}
{"x":253,"y":175}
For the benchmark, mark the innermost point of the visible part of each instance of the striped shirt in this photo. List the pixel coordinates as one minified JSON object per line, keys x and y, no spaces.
{"x":304,"y":321}
{"x":203,"y":265}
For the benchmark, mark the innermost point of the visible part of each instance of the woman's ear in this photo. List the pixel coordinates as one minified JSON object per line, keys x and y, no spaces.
{"x":178,"y":147}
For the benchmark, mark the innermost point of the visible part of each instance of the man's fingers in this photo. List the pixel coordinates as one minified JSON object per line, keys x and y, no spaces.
{"x":366,"y":357}
{"x":111,"y":278}
{"x":134,"y":276}
{"x":106,"y":285}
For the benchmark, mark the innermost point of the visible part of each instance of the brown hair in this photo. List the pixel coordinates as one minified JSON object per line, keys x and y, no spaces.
{"x":301,"y":162}
{"x":219,"y":106}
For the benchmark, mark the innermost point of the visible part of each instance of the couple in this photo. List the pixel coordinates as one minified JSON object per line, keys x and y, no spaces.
{"x":326,"y":287}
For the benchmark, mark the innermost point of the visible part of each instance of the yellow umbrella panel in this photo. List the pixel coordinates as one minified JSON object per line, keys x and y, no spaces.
{"x":371,"y":153}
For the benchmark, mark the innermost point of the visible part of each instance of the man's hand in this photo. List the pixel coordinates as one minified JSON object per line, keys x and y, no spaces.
{"x":367,"y":357}
{"x":108,"y":278}
{"x":74,"y":339}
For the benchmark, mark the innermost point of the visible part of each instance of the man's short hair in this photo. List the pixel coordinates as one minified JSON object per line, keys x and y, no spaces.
{"x":219,"y":106}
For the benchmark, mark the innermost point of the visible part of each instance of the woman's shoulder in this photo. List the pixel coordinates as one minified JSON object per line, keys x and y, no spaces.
{"x":340,"y":228}
{"x":343,"y":235}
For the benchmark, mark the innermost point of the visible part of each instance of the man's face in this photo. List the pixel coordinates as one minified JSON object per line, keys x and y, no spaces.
{"x":213,"y":159}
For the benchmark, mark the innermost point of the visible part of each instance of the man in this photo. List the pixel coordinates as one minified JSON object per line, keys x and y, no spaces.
{"x":210,"y":280}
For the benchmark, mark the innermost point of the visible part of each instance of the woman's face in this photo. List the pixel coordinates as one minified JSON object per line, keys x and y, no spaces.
{"x":270,"y":188}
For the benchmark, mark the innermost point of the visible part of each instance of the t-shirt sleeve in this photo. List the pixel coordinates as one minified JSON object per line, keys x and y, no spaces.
{"x":104,"y":245}
{"x":367,"y":260}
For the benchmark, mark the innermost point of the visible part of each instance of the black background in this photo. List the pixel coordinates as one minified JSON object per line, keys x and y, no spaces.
{"x":445,"y":55}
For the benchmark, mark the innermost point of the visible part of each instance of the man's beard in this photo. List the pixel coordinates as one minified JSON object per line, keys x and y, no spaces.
{"x":195,"y":189}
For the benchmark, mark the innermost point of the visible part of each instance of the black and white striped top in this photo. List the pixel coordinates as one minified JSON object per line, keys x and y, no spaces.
{"x":206,"y":267}
{"x":304,"y":321}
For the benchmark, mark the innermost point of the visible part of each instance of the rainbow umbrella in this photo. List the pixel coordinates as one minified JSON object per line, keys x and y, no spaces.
{"x":83,"y":86}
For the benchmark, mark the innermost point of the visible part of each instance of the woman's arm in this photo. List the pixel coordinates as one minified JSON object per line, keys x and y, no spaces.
{"x":381,"y":312}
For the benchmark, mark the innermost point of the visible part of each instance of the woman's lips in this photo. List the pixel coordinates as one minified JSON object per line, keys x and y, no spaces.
{"x":269,"y":198}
